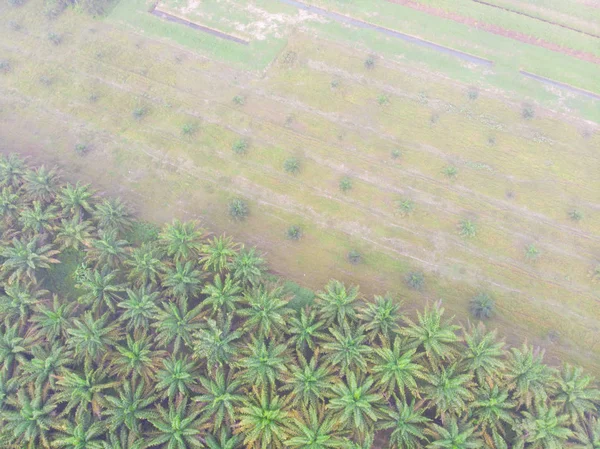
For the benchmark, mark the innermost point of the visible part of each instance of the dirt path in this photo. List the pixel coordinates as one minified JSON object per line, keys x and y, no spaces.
{"x":511,"y":34}
{"x":396,"y":34}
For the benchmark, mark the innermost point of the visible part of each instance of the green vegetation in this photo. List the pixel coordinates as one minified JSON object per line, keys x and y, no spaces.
{"x":482,"y":306}
{"x":415,"y":280}
{"x":354,"y":257}
{"x":238,"y":209}
{"x":294,"y":232}
{"x":532,"y":252}
{"x":240,"y":146}
{"x":114,"y":334}
{"x":406,"y":206}
{"x":576,"y":215}
{"x":395,"y":153}
{"x":467,"y":228}
{"x":450,"y":171}
{"x":345,"y":184}
{"x":292,"y":165}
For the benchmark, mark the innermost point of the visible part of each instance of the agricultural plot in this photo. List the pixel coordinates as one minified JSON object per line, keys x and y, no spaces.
{"x":407,"y":162}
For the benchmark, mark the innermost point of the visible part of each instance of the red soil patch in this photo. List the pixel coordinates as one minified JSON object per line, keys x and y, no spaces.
{"x":522,"y":37}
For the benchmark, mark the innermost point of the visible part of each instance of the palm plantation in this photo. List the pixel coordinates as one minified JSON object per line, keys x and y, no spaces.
{"x":175,"y":340}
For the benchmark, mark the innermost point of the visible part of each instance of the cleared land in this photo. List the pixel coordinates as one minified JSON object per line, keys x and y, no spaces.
{"x":314,"y":99}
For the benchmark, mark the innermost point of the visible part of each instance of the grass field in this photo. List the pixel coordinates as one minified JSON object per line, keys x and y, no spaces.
{"x":315,"y":100}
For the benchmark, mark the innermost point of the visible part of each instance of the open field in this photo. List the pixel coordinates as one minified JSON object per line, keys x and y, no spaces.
{"x":314,"y":99}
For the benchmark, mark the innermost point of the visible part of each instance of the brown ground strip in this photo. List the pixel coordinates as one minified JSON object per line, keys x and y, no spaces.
{"x":495,"y":29}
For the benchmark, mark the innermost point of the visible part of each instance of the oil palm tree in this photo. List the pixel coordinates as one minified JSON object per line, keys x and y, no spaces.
{"x":223,"y":440}
{"x":214,"y":343}
{"x":268,"y":312}
{"x":23,"y":259}
{"x":52,"y":320}
{"x":527,"y":375}
{"x":304,"y":330}
{"x":575,"y":394}
{"x":107,"y":250}
{"x":588,"y":434}
{"x":248,"y":267}
{"x":381,"y":317}
{"x":346,"y":347}
{"x":177,"y":426}
{"x":183,"y":280}
{"x":37,"y":219}
{"x":84,"y":391}
{"x":139,"y":309}
{"x":45,"y":364}
{"x":74,"y":233}
{"x":484,"y":356}
{"x":136,"y":359}
{"x":262,"y":420}
{"x":222,"y":296}
{"x":128,"y":407}
{"x":218,"y":253}
{"x":14,"y":348}
{"x":40,"y":183}
{"x":407,"y":425}
{"x":308,"y":382}
{"x":111,"y":213}
{"x":356,"y":405}
{"x":175,"y":323}
{"x":314,"y":429}
{"x":177,"y":377}
{"x":492,"y":410}
{"x":18,"y":302}
{"x":448,"y":390}
{"x":454,"y":435}
{"x":182,"y":240}
{"x":30,"y":419}
{"x":12,"y":171}
{"x":90,"y":338}
{"x":336,"y":303}
{"x":124,"y":440}
{"x":437,"y":338}
{"x":82,"y":434}
{"x":263,"y":362}
{"x":75,"y":200}
{"x":101,"y":287}
{"x":221,"y":397}
{"x":144,"y":265}
{"x":395,"y":370}
{"x":545,"y":428}
{"x":9,"y":204}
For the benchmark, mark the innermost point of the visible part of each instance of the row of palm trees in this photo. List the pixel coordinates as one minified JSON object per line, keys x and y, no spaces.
{"x":180,"y":340}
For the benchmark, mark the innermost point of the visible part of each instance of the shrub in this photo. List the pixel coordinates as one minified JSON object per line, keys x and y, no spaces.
{"x":406,"y":206}
{"x":450,"y":171}
{"x":292,"y":165}
{"x":395,"y":153}
{"x":482,"y":306}
{"x":289,"y":58}
{"x":294,"y":232}
{"x":473,"y":93}
{"x":491,"y":141}
{"x":15,"y":26}
{"x":354,"y":257}
{"x":415,"y":280}
{"x":345,"y":184}
{"x":422,"y":97}
{"x":93,"y":97}
{"x":576,"y":215}
{"x":16,"y":2}
{"x":81,"y":149}
{"x":238,"y":209}
{"x":370,"y":62}
{"x":188,"y":129}
{"x":46,"y":80}
{"x":240,"y":147}
{"x":528,"y":112}
{"x":531,"y":252}
{"x":139,"y":113}
{"x":239,"y":100}
{"x":435,"y":117}
{"x":335,"y":83}
{"x":383,"y":99}
{"x":56,"y":39}
{"x":467,"y":228}
{"x":4,"y":66}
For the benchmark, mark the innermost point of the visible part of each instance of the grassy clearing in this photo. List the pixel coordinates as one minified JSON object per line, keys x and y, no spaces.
{"x":336,"y":131}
